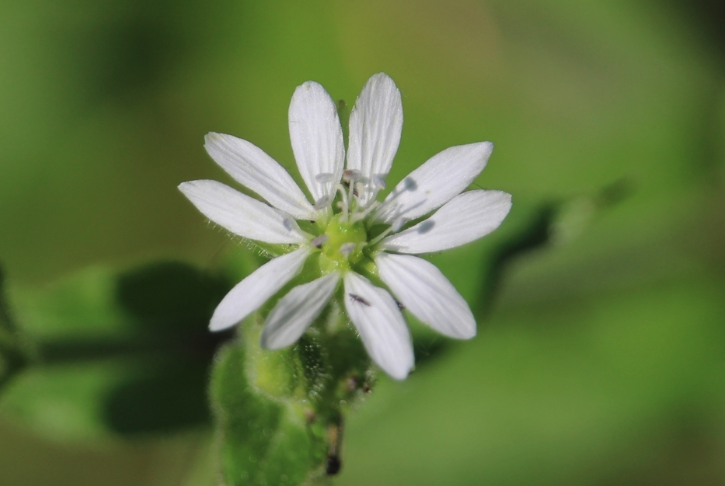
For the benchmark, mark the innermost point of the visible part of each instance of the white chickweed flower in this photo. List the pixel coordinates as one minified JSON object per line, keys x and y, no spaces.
{"x":352,"y":234}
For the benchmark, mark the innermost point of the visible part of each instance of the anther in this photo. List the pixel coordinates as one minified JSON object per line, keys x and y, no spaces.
{"x":399,"y":223}
{"x":318,"y":241}
{"x":347,"y":248}
{"x":379,"y":181}
{"x":359,"y":216}
{"x":350,"y":175}
{"x":325,"y":177}
{"x":323,"y":202}
{"x":410,"y":184}
{"x":343,"y":204}
{"x":288,"y":224}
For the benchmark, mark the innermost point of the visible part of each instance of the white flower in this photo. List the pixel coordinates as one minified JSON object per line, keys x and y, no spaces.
{"x":346,"y":228}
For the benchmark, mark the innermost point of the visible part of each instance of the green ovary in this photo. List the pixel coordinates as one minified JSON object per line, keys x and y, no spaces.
{"x":336,"y":251}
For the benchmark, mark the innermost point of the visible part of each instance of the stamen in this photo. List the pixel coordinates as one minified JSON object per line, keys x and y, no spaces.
{"x":409,"y":184}
{"x":370,"y":189}
{"x":392,"y":208}
{"x":347,"y":248}
{"x":352,"y":191}
{"x":318,"y":241}
{"x":364,"y":214}
{"x":288,"y":224}
{"x":323,"y":202}
{"x":344,"y":202}
{"x":325,"y":177}
{"x":399,"y":223}
{"x":350,"y":175}
{"x":378,"y":185}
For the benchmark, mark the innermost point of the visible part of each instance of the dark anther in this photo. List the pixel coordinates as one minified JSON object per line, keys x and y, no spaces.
{"x":318,"y":241}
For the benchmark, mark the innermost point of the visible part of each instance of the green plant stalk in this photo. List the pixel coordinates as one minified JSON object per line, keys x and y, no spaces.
{"x":280,"y":414}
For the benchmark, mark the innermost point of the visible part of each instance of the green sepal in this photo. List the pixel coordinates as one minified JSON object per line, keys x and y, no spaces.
{"x":262,"y":440}
{"x":275,"y":410}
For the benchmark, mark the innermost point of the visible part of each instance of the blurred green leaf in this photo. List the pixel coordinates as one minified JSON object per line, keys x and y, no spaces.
{"x":119,"y":353}
{"x":577,"y":390}
{"x":13,"y":355}
{"x":168,"y":296}
{"x":574,"y":94}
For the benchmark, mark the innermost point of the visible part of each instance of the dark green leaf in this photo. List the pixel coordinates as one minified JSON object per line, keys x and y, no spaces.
{"x":13,"y":355}
{"x":121,"y":354}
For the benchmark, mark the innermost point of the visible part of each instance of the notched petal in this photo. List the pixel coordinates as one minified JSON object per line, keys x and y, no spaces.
{"x":249,"y":294}
{"x":467,"y":217}
{"x":253,"y":168}
{"x":296,"y":311}
{"x":316,"y":137}
{"x":241,"y":214}
{"x":427,"y":294}
{"x":380,"y":324}
{"x":376,"y":123}
{"x":435,"y":182}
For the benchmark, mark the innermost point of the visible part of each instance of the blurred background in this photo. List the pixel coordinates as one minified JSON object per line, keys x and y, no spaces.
{"x":600,"y":357}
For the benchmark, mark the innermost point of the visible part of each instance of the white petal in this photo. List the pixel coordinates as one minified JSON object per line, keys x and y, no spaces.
{"x":316,"y":136}
{"x":381,"y":325}
{"x":467,"y":217}
{"x":251,"y":167}
{"x":249,"y":294}
{"x":296,"y":311}
{"x":434,"y":183}
{"x":376,"y":122}
{"x":427,"y":294}
{"x":241,"y":214}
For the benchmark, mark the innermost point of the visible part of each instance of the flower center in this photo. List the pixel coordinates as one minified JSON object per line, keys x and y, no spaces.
{"x":344,"y":244}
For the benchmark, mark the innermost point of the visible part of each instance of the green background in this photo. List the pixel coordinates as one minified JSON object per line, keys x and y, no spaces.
{"x":600,"y":357}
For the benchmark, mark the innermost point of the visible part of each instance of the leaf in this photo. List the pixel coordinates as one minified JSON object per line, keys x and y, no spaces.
{"x":13,"y":355}
{"x":121,"y":353}
{"x":633,"y":377}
